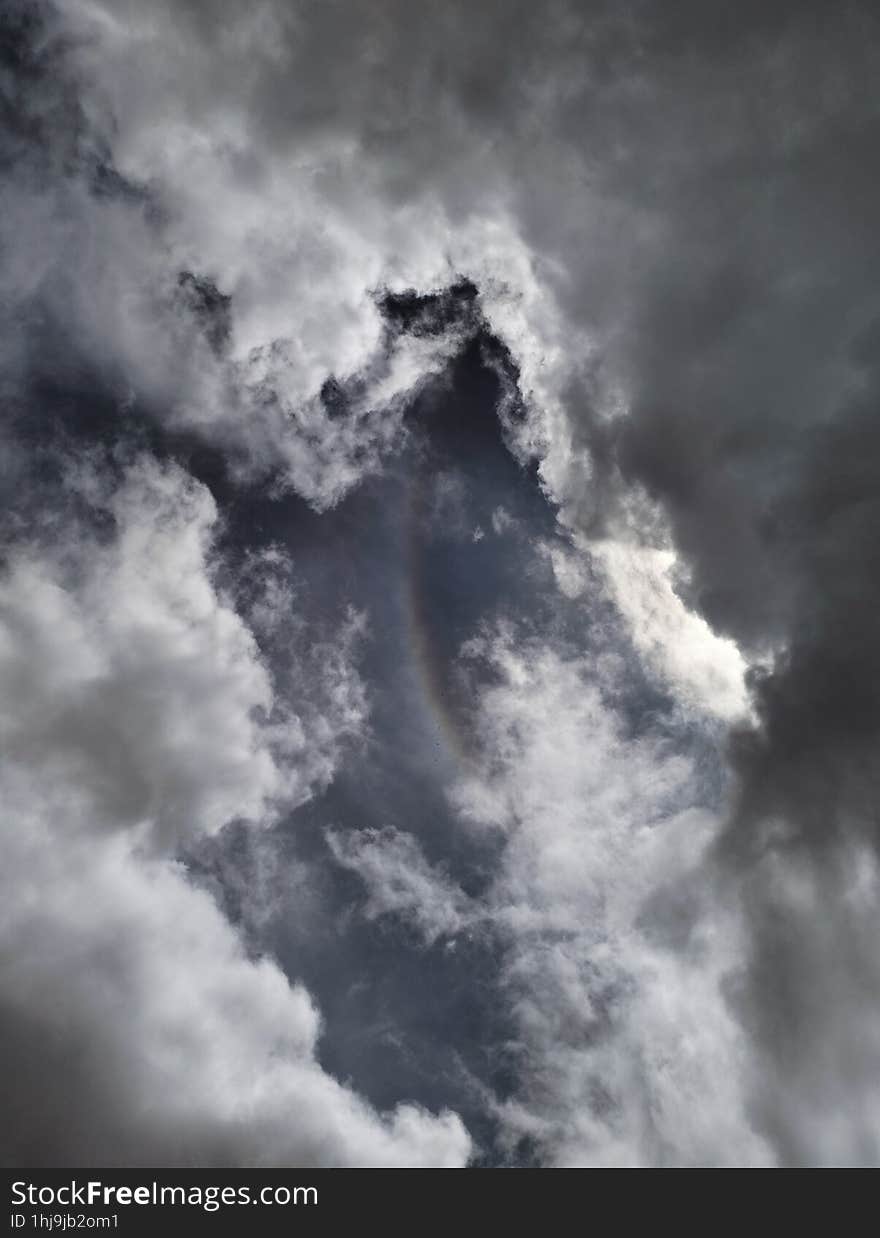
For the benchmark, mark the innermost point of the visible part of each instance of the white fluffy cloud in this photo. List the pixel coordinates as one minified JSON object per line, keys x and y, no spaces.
{"x":300,"y":204}
{"x":629,"y":1053}
{"x":138,"y":714}
{"x":286,"y":197}
{"x":127,"y":674}
{"x":400,"y":881}
{"x":615,"y":954}
{"x":705,"y":672}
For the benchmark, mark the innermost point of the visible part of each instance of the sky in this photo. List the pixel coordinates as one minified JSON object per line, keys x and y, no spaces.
{"x":439,"y":668}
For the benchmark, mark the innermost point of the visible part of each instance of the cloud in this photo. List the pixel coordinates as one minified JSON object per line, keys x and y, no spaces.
{"x":809,"y":997}
{"x":128,"y":674}
{"x":703,"y":671}
{"x":670,"y":215}
{"x":400,"y":881}
{"x":137,"y":1031}
{"x":615,"y":955}
{"x":139,"y":715}
{"x":237,"y":334}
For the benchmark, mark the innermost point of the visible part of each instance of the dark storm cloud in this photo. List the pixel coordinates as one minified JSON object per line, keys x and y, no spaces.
{"x":750,"y":356}
{"x":809,"y":794}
